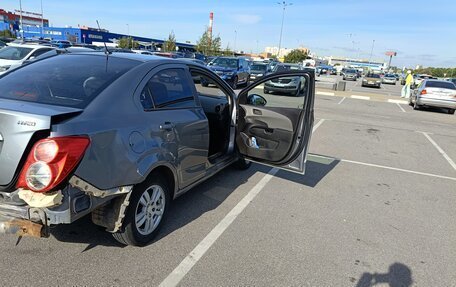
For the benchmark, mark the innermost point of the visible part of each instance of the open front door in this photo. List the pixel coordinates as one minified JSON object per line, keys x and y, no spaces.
{"x":275,"y":119}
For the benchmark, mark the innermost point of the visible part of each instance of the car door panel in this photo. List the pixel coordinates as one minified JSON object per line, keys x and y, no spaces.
{"x":277,"y":135}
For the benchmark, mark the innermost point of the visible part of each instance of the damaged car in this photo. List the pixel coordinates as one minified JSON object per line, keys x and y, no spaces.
{"x":119,"y":136}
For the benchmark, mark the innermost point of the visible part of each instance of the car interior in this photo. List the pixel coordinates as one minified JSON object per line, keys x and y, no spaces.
{"x":217,"y":110}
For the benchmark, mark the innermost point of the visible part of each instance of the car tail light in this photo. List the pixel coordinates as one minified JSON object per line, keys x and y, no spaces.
{"x":50,"y":161}
{"x":423,"y":92}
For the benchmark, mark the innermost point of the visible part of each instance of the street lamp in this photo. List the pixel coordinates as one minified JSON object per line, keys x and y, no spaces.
{"x":21,"y":28}
{"x":284,"y":5}
{"x":234,"y":47}
{"x":372,"y":50}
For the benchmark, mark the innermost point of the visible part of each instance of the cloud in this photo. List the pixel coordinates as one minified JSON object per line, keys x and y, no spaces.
{"x":248,"y":19}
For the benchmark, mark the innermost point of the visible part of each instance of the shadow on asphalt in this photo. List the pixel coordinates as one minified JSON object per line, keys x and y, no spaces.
{"x":190,"y":206}
{"x":399,"y":275}
{"x":434,"y":110}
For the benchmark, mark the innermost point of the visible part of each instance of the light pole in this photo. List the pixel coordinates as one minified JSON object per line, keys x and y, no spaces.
{"x":284,"y":5}
{"x":128,"y":34}
{"x":372,"y":51}
{"x":20,"y":13}
{"x":42,"y":20}
{"x":234,"y":47}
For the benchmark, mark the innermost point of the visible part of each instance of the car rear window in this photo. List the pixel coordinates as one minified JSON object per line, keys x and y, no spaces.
{"x":442,"y":85}
{"x":283,"y":68}
{"x":14,"y":53}
{"x":64,"y":80}
{"x":373,"y":76}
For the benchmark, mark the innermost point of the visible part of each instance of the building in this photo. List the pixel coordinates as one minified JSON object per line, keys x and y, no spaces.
{"x":32,"y":30}
{"x":283,"y":51}
{"x":356,"y":63}
{"x":12,"y":20}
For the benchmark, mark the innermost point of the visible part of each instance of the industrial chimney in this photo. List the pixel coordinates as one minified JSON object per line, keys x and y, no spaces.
{"x":209,"y":29}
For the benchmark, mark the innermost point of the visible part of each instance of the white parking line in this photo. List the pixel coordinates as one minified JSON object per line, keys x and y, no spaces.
{"x":359,"y":97}
{"x":440,"y":150}
{"x":397,"y":101}
{"x":174,"y":278}
{"x":400,"y":107}
{"x":325,"y":93}
{"x":383,"y":167}
{"x":341,"y":101}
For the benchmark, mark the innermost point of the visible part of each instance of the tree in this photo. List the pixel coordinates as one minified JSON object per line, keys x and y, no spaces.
{"x":6,"y":34}
{"x":128,"y":43}
{"x":209,"y":46}
{"x":295,"y":56}
{"x":170,"y":44}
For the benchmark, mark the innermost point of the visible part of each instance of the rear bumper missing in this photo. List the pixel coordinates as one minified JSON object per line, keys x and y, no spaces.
{"x":22,"y":227}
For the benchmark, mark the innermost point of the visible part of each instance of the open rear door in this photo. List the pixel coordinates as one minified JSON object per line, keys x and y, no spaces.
{"x":275,"y":119}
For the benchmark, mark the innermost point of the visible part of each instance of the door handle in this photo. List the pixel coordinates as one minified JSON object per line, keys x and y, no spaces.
{"x":167,"y":126}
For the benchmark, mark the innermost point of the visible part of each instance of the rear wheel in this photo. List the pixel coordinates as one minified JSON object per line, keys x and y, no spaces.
{"x":451,"y":111}
{"x":148,"y":208}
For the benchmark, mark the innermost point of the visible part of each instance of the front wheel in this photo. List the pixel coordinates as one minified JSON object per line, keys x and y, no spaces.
{"x":235,"y":83}
{"x":242,"y":163}
{"x":148,"y":208}
{"x":451,"y":111}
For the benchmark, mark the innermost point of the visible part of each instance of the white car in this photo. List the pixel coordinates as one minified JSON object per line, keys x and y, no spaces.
{"x":14,"y":55}
{"x":434,"y":93}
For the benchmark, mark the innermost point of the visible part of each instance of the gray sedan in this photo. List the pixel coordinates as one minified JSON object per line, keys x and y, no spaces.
{"x":119,"y":136}
{"x":434,"y":93}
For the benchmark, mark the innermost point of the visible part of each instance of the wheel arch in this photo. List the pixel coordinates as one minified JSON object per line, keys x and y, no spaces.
{"x":168,"y":173}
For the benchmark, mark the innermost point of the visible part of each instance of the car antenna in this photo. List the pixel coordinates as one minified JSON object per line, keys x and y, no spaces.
{"x":106,"y":47}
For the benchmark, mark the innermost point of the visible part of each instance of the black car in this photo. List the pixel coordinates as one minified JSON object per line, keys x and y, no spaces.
{"x":235,"y":71}
{"x":258,"y":70}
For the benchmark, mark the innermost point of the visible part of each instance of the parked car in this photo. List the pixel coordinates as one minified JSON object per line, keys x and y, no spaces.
{"x":14,"y":55}
{"x":418,"y":78}
{"x":350,"y":74}
{"x":120,"y":136}
{"x":61,"y":43}
{"x":434,"y":93}
{"x":453,"y":80}
{"x":389,"y":79}
{"x":235,"y":71}
{"x":143,"y":52}
{"x":372,"y":80}
{"x":285,"y":85}
{"x":332,"y":71}
{"x":258,"y":70}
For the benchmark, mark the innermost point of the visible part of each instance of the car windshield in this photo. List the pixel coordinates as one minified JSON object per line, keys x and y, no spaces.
{"x":260,"y":68}
{"x":64,"y":80}
{"x":373,"y":76}
{"x":284,"y":68}
{"x":225,"y":62}
{"x":14,"y":53}
{"x":351,"y":71}
{"x":441,"y":84}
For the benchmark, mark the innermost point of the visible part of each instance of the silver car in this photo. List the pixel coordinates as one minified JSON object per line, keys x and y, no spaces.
{"x":389,"y":79}
{"x":291,"y":85}
{"x":434,"y":93}
{"x":118,"y":136}
{"x":350,"y":74}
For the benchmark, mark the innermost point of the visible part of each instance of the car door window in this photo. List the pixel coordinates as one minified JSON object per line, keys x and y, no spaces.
{"x":39,"y":52}
{"x":168,"y":88}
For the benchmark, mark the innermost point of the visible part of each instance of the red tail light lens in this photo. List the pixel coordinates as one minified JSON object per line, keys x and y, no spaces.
{"x":51,"y":161}
{"x":423,"y":92}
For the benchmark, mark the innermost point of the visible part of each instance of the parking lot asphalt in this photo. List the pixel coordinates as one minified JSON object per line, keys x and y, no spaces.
{"x":376,"y":206}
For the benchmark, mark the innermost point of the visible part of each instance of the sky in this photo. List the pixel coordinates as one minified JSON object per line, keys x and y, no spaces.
{"x":421,"y":32}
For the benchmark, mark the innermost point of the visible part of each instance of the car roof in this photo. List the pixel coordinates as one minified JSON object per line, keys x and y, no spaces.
{"x":31,"y":46}
{"x":435,"y":81}
{"x":132,"y":56}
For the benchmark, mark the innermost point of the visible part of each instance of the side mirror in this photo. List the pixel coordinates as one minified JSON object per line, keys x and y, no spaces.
{"x":256,"y":100}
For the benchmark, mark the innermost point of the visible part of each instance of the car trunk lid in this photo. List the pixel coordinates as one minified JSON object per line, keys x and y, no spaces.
{"x":19,"y":121}
{"x":441,"y":93}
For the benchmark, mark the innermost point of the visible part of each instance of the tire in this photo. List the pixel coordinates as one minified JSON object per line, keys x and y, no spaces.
{"x":235,"y":83}
{"x":451,"y":111}
{"x":242,"y":164}
{"x":204,"y":84}
{"x":155,"y":213}
{"x":266,"y":91}
{"x":343,"y":78}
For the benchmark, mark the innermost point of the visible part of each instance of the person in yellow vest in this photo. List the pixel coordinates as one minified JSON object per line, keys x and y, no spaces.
{"x":405,"y":93}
